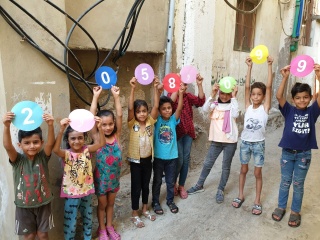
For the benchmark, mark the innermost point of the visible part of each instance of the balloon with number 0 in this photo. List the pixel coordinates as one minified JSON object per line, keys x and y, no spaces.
{"x":171,"y":82}
{"x":301,"y":66}
{"x":227,"y":84}
{"x":106,"y":77}
{"x":144,"y":74}
{"x":259,"y":54}
{"x":188,"y":74}
{"x":82,"y":120}
{"x":28,"y":115}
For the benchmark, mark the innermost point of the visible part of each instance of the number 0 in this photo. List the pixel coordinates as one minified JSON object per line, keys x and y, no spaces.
{"x":105,"y":75}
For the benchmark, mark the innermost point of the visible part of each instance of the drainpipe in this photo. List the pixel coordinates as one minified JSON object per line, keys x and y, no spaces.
{"x":296,"y":25}
{"x":169,"y":38}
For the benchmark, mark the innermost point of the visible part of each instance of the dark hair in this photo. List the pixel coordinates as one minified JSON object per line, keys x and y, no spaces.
{"x":66,"y":135}
{"x":139,"y":103}
{"x":165,"y":99}
{"x":23,"y":134}
{"x":299,"y":88}
{"x":259,"y":85}
{"x":108,"y":113}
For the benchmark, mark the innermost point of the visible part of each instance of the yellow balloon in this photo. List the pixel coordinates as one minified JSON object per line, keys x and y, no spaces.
{"x":259,"y":54}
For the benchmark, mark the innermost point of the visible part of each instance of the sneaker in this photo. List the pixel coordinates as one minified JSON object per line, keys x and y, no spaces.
{"x":219,"y":196}
{"x":195,"y":189}
{"x":102,"y":235}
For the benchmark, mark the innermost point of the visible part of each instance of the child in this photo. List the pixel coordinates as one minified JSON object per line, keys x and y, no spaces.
{"x":166,"y":151}
{"x":299,"y":137}
{"x":186,"y":133}
{"x":33,"y":195}
{"x":223,"y":133}
{"x":108,"y":164}
{"x":77,"y":183}
{"x":140,"y":152}
{"x":257,"y":103}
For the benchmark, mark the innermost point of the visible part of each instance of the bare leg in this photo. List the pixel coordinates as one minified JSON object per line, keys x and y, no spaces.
{"x":102,"y":204}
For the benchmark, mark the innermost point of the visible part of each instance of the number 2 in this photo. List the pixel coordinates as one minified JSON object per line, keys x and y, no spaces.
{"x":144,"y":73}
{"x":27,"y":120}
{"x":302,"y":64}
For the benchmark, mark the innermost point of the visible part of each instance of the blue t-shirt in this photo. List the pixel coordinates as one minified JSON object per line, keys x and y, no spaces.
{"x":165,"y":138}
{"x":299,"y":131}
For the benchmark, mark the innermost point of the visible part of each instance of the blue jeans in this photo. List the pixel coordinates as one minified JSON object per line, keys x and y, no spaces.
{"x":256,"y":149}
{"x":169,"y":169}
{"x":294,"y":169}
{"x":184,"y":149}
{"x":214,"y":151}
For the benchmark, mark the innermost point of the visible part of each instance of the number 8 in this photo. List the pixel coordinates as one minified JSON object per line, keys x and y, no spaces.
{"x":172,"y":82}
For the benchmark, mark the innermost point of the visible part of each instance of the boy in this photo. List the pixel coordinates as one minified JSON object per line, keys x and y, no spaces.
{"x":186,"y":133}
{"x":257,"y":104}
{"x":166,"y":151}
{"x":299,"y":137}
{"x":31,"y":178}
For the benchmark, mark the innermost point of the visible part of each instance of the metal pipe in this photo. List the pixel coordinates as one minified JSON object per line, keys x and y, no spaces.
{"x":169,"y":38}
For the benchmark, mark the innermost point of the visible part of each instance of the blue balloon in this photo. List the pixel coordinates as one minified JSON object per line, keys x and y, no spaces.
{"x":28,"y":115}
{"x":106,"y":77}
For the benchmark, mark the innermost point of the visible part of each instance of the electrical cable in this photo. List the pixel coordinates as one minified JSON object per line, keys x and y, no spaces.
{"x":279,"y":2}
{"x":242,"y":11}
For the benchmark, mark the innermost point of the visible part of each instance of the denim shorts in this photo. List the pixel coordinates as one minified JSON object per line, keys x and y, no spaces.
{"x":254,"y":148}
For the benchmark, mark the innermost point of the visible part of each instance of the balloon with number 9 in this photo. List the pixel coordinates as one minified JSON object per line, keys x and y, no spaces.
{"x":301,"y":66}
{"x":259,"y":54}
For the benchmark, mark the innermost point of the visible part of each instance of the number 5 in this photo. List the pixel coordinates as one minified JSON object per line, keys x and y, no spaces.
{"x":144,"y":73}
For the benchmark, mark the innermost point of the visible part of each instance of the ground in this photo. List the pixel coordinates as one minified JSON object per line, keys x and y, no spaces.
{"x":200,"y":217}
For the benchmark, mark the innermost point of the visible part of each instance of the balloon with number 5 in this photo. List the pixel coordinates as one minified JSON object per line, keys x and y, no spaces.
{"x":106,"y":77}
{"x":28,"y":115}
{"x":171,"y":82}
{"x":259,"y":54}
{"x":188,"y":74}
{"x":227,"y":84}
{"x":144,"y":74}
{"x":81,"y":120}
{"x":301,"y":65}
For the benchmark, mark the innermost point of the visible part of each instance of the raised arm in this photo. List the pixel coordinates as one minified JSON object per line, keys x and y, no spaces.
{"x":207,"y":105}
{"x":133,"y":83}
{"x":247,"y":84}
{"x":199,"y":80}
{"x":285,"y":75}
{"x":50,"y":140}
{"x":7,"y":141}
{"x":94,"y":104}
{"x":158,"y":89}
{"x":56,"y":148}
{"x":102,"y":140}
{"x":267,"y":100}
{"x":182,"y":90}
{"x":317,"y":72}
{"x":116,"y":96}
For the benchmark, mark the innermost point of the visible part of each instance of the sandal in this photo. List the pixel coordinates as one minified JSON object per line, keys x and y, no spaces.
{"x":157,"y":208}
{"x":137,"y":221}
{"x":237,"y":201}
{"x":256,"y":209}
{"x":148,"y":215}
{"x":279,"y":213}
{"x":183,"y":193}
{"x":294,"y":218}
{"x":102,"y":234}
{"x":113,"y":235}
{"x":173,"y":207}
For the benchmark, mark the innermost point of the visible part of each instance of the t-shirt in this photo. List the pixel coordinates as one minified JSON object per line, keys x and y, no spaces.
{"x":299,"y":131}
{"x":165,"y":138}
{"x":31,"y":180}
{"x":254,"y":127}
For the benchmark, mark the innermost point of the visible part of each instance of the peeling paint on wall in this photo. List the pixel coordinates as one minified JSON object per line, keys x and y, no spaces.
{"x":45,"y":102}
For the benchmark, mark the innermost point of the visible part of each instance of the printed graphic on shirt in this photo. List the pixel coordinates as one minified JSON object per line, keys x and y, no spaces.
{"x":253,"y":124}
{"x":136,"y":127}
{"x":301,"y":124}
{"x":165,"y":134}
{"x":149,"y":130}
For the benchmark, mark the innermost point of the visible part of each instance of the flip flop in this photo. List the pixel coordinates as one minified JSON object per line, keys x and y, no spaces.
{"x":256,"y":207}
{"x":279,"y":213}
{"x":238,"y":201}
{"x":296,"y":218}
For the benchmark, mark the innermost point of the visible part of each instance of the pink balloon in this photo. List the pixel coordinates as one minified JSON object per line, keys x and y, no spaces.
{"x":188,"y":74}
{"x":144,"y":74}
{"x":171,"y":82}
{"x":82,"y":120}
{"x":301,"y":65}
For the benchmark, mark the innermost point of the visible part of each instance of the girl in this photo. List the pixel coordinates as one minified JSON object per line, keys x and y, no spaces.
{"x":77,"y":183}
{"x":140,"y":152}
{"x":223,"y":135}
{"x":108,"y":164}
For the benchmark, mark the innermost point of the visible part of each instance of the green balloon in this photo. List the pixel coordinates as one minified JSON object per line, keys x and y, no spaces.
{"x":227,"y":84}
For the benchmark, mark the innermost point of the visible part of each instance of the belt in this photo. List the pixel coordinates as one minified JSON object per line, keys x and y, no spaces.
{"x":293,"y":150}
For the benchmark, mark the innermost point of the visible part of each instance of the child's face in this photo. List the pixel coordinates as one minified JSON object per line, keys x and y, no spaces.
{"x":166,"y":110}
{"x":107,"y":125}
{"x":224,"y":97}
{"x":31,"y":145}
{"x":256,"y":96}
{"x":76,"y":141}
{"x":141,"y":114}
{"x":302,"y":100}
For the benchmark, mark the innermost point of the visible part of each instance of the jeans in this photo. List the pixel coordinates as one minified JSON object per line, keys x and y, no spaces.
{"x":140,"y":179}
{"x":214,"y":151}
{"x":169,"y":169}
{"x":256,"y":149}
{"x":184,"y":149}
{"x":294,"y":169}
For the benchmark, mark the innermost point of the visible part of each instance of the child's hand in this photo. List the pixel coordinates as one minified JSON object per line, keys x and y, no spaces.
{"x":98,"y":122}
{"x":97,"y":91}
{"x":182,"y":89}
{"x":133,"y":82}
{"x":115,"y":91}
{"x":160,"y":88}
{"x":64,"y":123}
{"x":270,"y":60}
{"x":199,"y":79}
{"x":215,"y":89}
{"x":234,"y":91}
{"x":249,"y":62}
{"x":7,"y":118}
{"x":285,"y":71}
{"x":48,"y":119}
{"x":316,"y":68}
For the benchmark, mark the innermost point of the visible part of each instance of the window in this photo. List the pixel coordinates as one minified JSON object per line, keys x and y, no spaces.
{"x":245,"y":26}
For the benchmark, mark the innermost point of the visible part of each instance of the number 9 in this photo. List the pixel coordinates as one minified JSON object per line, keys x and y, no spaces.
{"x":302,"y":64}
{"x":259,"y":54}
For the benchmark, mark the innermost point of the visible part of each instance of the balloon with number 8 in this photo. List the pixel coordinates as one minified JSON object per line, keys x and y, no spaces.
{"x":171,"y":82}
{"x":259,"y":54}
